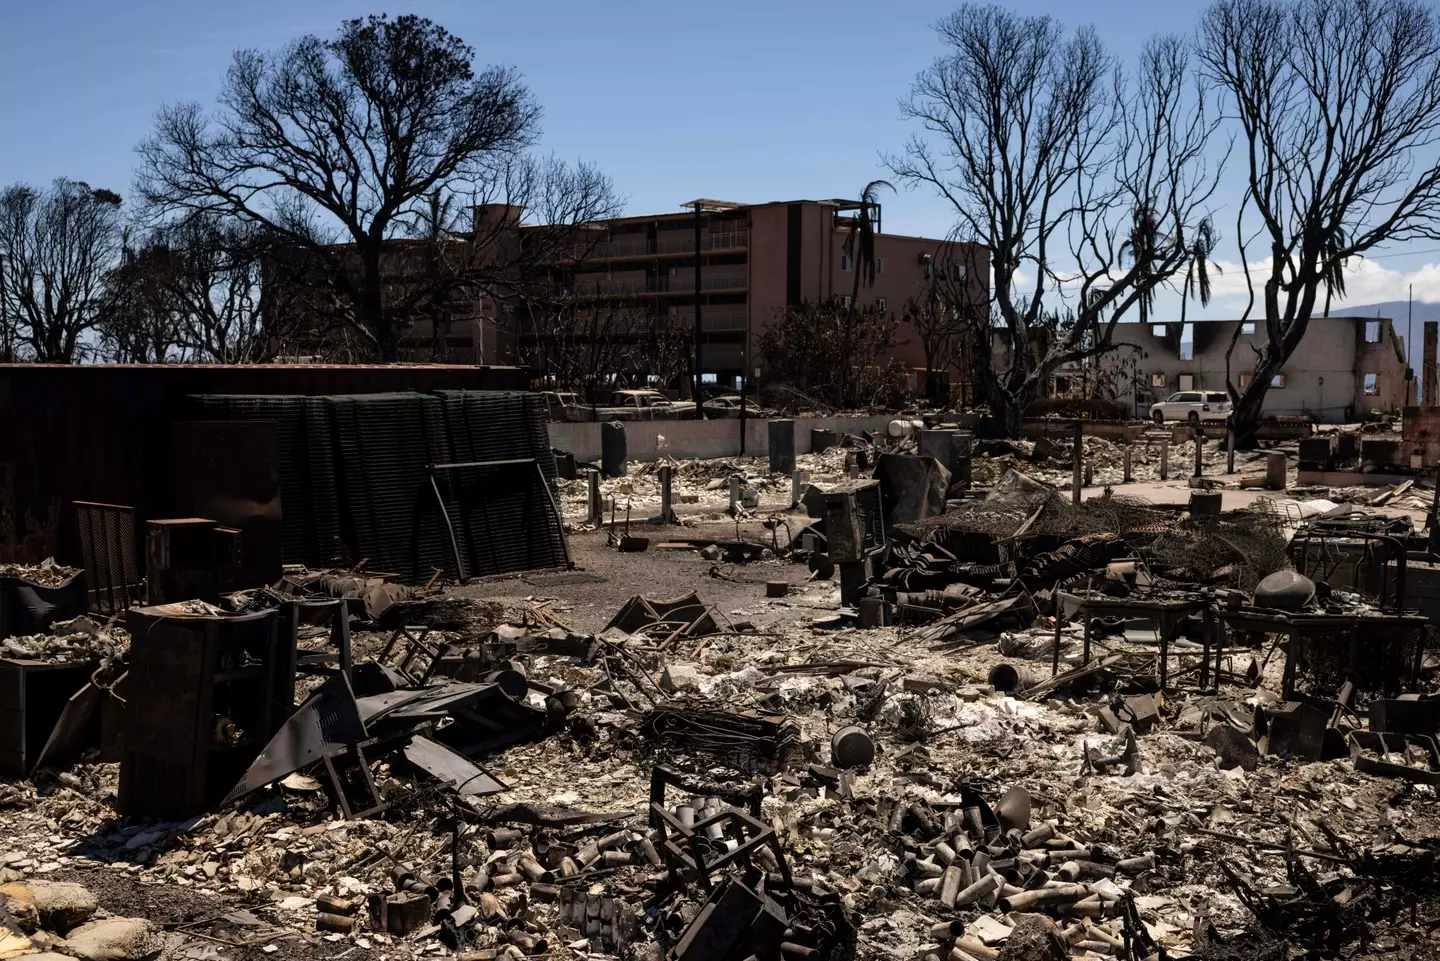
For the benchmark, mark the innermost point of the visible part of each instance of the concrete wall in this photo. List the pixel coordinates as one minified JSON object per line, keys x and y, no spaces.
{"x":703,"y":439}
{"x":1333,"y":350}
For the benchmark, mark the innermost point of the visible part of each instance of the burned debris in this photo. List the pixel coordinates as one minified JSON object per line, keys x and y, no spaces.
{"x":879,"y":713}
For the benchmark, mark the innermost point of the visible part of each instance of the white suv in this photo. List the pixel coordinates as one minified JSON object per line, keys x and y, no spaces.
{"x":1194,"y":406}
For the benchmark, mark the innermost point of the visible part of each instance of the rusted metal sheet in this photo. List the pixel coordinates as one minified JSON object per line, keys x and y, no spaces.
{"x":466,"y":777}
{"x":324,"y":726}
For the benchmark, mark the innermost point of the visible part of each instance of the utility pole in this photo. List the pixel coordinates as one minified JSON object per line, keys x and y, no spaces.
{"x":699,"y":334}
{"x":1410,"y":343}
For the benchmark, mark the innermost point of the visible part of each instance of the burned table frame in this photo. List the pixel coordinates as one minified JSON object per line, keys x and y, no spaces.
{"x":518,"y":463}
{"x":1372,"y":562}
{"x":417,"y":643}
{"x":753,"y":832}
{"x":1306,"y":629}
{"x":1168,"y":614}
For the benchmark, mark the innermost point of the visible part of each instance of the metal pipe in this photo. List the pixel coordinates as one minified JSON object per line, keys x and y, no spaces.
{"x":950,"y":886}
{"x":978,"y":890}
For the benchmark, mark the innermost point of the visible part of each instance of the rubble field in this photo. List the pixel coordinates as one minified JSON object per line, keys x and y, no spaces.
{"x":1030,"y":730}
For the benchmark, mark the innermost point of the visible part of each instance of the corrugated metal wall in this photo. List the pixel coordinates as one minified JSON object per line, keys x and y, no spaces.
{"x":102,"y":433}
{"x":355,"y":479}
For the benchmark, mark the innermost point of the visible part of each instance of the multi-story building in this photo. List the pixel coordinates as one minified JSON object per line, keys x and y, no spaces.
{"x":1343,"y":367}
{"x":755,"y":259}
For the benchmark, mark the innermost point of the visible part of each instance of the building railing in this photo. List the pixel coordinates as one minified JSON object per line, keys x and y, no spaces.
{"x":683,"y":282}
{"x":717,"y":321}
{"x":447,"y":355}
{"x":681,"y":243}
{"x":714,"y":356}
{"x":654,"y":285}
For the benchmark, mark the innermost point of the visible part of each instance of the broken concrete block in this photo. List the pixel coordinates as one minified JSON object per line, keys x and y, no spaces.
{"x":1109,"y":723}
{"x":113,"y":939}
{"x":1141,"y":711}
{"x":62,"y":905}
{"x":680,"y":677}
{"x":21,"y":912}
{"x":1234,"y":747}
{"x":406,"y":913}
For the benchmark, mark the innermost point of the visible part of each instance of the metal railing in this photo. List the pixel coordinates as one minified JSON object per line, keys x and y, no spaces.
{"x":712,"y":356}
{"x":661,"y":285}
{"x":680,"y":243}
{"x":716,"y":321}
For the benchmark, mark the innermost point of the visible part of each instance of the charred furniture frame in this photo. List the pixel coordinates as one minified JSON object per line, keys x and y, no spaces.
{"x":1168,"y":613}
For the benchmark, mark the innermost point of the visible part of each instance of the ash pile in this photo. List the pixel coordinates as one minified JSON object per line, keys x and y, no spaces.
{"x":906,"y":719}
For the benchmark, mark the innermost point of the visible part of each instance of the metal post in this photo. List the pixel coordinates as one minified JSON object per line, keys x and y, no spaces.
{"x":1230,"y":450}
{"x":1427,"y":384}
{"x":699,"y":334}
{"x":744,"y":381}
{"x":1165,"y":459}
{"x":667,"y":512}
{"x":1199,"y":453}
{"x":1128,"y":449}
{"x":6,"y":347}
{"x":734,"y":493}
{"x":597,"y":509}
{"x":1077,"y":455}
{"x":1089,"y":471}
{"x":852,"y":582}
{"x":1410,"y":399}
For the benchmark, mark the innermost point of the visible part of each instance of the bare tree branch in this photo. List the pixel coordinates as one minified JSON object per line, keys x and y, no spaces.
{"x":1086,"y":183}
{"x":1338,"y":104}
{"x":348,"y":139}
{"x":57,"y":247}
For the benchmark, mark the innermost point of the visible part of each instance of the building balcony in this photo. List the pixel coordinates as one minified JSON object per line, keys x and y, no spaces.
{"x":722,"y":357}
{"x":654,"y":285}
{"x":680,"y":244}
{"x":714,"y":321}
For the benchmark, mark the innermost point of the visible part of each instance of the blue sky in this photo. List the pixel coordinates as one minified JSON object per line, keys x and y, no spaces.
{"x":737,"y":100}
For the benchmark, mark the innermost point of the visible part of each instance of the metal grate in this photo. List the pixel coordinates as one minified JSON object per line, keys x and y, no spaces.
{"x":107,"y":550}
{"x":495,"y":514}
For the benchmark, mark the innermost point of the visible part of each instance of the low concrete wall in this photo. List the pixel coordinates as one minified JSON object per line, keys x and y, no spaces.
{"x":701,"y":439}
{"x":1058,"y":428}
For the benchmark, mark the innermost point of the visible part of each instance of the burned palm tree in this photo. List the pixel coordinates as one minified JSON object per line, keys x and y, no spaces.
{"x":1143,"y":250}
{"x":1197,"y":271}
{"x":860,"y":245}
{"x":1332,"y":273}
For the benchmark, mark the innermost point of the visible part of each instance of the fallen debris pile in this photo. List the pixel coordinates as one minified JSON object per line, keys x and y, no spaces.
{"x":974,"y":726}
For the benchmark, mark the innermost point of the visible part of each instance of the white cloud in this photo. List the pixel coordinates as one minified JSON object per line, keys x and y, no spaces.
{"x":1366,"y":282}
